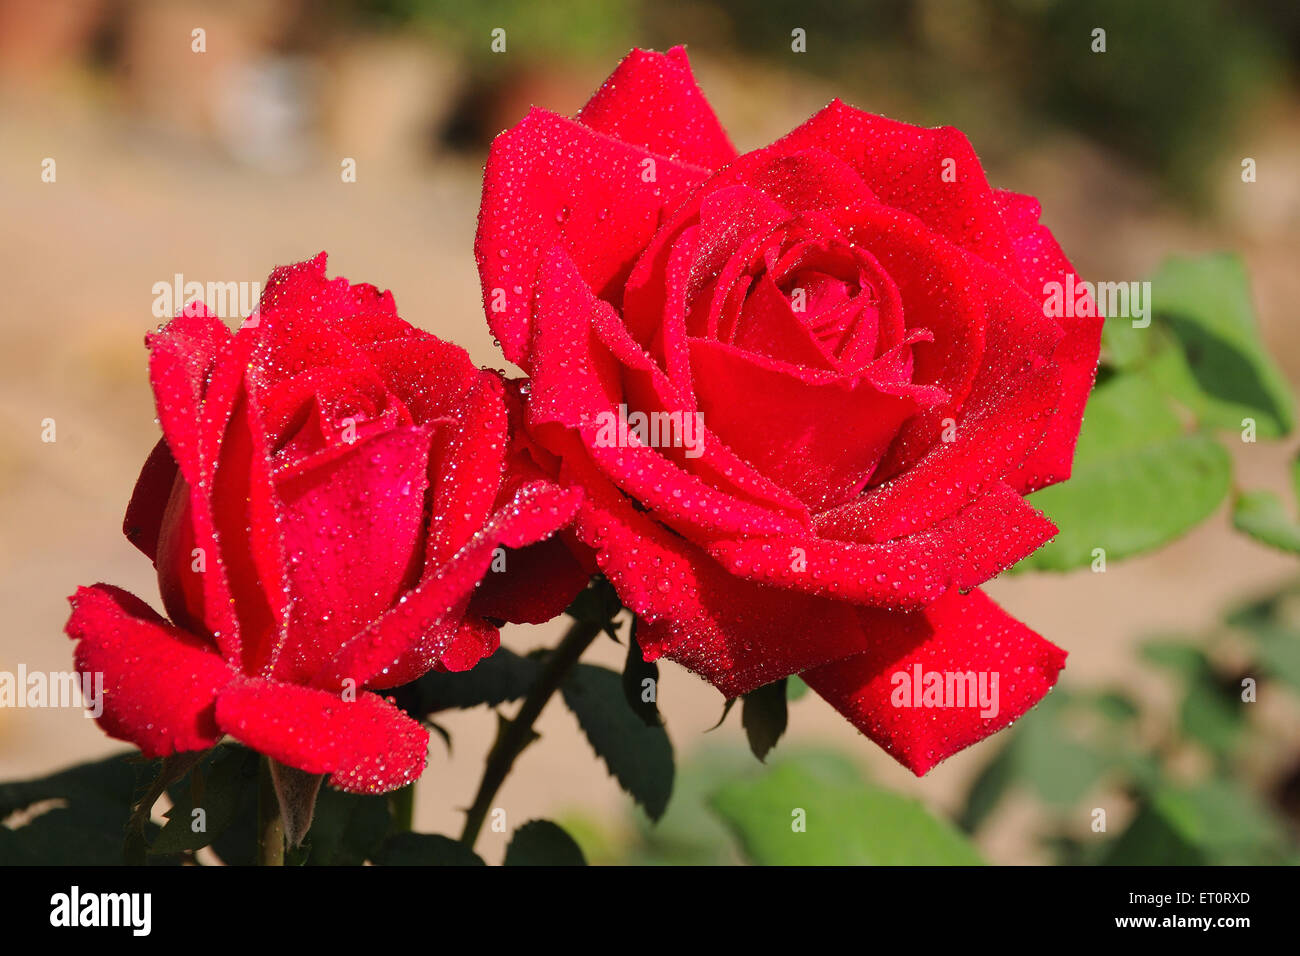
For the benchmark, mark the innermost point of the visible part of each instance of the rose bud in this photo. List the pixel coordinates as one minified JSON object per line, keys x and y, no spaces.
{"x":330,"y":488}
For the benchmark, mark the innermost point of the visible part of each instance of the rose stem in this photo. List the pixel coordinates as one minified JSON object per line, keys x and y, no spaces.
{"x":403,"y":805}
{"x":517,"y":733}
{"x":270,"y":828}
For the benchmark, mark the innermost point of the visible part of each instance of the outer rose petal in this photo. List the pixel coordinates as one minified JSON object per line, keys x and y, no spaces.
{"x":247,"y":516}
{"x":475,"y":639}
{"x":593,"y":197}
{"x":990,"y":443}
{"x":538,"y":583}
{"x":196,"y":369}
{"x":182,"y":355}
{"x":469,"y":471}
{"x":651,"y":101}
{"x":144,"y":515}
{"x":987,"y":537}
{"x":905,"y":165}
{"x":160,"y":683}
{"x":958,"y":633}
{"x":735,"y":634}
{"x":1042,"y":261}
{"x":366,"y":745}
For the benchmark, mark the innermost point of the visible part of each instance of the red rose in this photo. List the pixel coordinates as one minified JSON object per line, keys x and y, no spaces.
{"x":329,"y":489}
{"x":854,"y":319}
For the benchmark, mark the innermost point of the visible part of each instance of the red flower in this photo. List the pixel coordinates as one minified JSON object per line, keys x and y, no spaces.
{"x":855,"y":320}
{"x":330,"y":487}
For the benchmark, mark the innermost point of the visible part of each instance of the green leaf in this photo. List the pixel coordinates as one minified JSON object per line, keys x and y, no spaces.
{"x":597,"y":604}
{"x":1261,"y":515}
{"x":1152,"y":840}
{"x":1125,"y":346}
{"x":213,"y":787}
{"x":764,"y":717}
{"x":543,"y":843}
{"x":989,"y":787}
{"x":1060,"y":768}
{"x":76,"y":817}
{"x":425,"y":849}
{"x":1043,"y":754}
{"x":1216,"y":822}
{"x":347,"y":828}
{"x":494,"y":680}
{"x":1116,"y":706}
{"x":814,"y":812}
{"x":1211,"y":711}
{"x":636,"y":673}
{"x":795,"y":687}
{"x":1279,"y":655}
{"x":638,"y":755}
{"x":1183,"y":659}
{"x":690,"y":833}
{"x":1138,"y":482}
{"x":1221,"y":369}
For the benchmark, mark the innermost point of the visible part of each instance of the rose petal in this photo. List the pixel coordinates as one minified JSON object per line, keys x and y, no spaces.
{"x":552,"y":180}
{"x":1042,"y":261}
{"x":932,"y":174}
{"x":960,"y":634}
{"x":144,"y":515}
{"x":651,"y":101}
{"x":468,"y":472}
{"x":536,"y":584}
{"x":366,"y":745}
{"x":352,"y":533}
{"x":159,"y":682}
{"x":987,"y":537}
{"x":414,"y":634}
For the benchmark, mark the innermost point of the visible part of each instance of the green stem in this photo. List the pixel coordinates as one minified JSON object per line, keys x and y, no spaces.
{"x":403,"y":805}
{"x":518,"y":733}
{"x":270,"y":828}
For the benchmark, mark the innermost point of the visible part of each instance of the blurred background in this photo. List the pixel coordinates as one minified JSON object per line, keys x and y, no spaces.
{"x":208,"y":138}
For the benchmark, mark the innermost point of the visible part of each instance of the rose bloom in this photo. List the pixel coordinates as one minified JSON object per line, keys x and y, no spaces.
{"x":330,"y":487}
{"x":857,"y":319}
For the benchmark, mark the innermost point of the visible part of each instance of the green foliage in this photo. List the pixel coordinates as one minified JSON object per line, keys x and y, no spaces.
{"x":641,"y":680}
{"x":1219,"y":367}
{"x":816,"y":809}
{"x":1142,"y":474}
{"x":639,"y":755}
{"x":1138,"y":480}
{"x":764,"y":717}
{"x":425,"y":849}
{"x":347,"y":829}
{"x":503,"y":677}
{"x":76,"y":817}
{"x":213,"y":788}
{"x":543,"y":843}
{"x":1074,"y":747}
{"x":1215,"y":822}
{"x":1262,"y":515}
